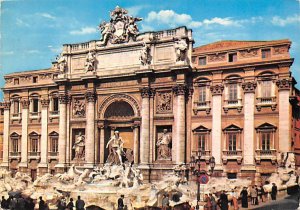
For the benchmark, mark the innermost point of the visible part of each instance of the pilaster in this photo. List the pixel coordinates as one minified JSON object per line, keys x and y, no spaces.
{"x":24,"y":139}
{"x":6,"y":118}
{"x":44,"y":136}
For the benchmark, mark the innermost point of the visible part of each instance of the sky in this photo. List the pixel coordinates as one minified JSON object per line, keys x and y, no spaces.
{"x":33,"y":31}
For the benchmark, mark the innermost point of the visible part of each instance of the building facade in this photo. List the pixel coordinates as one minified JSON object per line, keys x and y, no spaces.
{"x":229,"y":99}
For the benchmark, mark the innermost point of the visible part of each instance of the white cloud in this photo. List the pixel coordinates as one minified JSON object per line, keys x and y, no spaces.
{"x":173,"y":19}
{"x":276,"y":20}
{"x":20,"y":22}
{"x":7,"y":53}
{"x":55,"y":49}
{"x":84,"y":30}
{"x":46,"y":15}
{"x":134,"y":10}
{"x":145,"y":27}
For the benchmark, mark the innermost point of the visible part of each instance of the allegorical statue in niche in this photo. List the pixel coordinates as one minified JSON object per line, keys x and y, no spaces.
{"x":115,"y":144}
{"x":79,"y":108}
{"x":145,"y":56}
{"x":79,"y":147}
{"x":61,"y":63}
{"x":163,"y":146}
{"x":181,"y":48}
{"x":90,"y":62}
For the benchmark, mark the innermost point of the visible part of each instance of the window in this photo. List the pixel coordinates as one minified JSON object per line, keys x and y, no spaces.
{"x":231,"y":175}
{"x":201,"y":142}
{"x":194,"y":59}
{"x":16,"y":81}
{"x":35,"y":79}
{"x":232,"y":57}
{"x":233,"y":93}
{"x":202,"y":61}
{"x":266,"y":53}
{"x":202,"y":93}
{"x":55,"y":104}
{"x":15,"y":144}
{"x":54,"y":144}
{"x":16,"y":107}
{"x":265,"y":140}
{"x":35,"y":105}
{"x":266,"y":87}
{"x":34,"y":146}
{"x":232,"y":141}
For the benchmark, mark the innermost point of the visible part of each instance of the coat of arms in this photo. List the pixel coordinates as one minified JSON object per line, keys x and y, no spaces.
{"x":121,"y":28}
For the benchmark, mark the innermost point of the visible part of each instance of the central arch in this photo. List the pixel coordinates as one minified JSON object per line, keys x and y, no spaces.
{"x":120,"y":112}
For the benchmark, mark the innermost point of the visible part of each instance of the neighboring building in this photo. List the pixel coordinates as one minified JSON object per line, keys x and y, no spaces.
{"x":228,"y":99}
{"x":296,"y":125}
{"x":1,"y":131}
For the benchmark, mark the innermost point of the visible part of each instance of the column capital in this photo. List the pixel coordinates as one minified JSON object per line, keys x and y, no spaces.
{"x":64,"y":98}
{"x":6,"y":104}
{"x":152,"y":92}
{"x":249,"y":87}
{"x":284,"y":84}
{"x":145,"y":92}
{"x":45,"y":102}
{"x":190,"y":91}
{"x":217,"y":89}
{"x":25,"y":103}
{"x":90,"y":96}
{"x":180,"y":89}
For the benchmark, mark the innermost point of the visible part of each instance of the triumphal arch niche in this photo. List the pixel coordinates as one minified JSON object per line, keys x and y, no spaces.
{"x":131,"y":82}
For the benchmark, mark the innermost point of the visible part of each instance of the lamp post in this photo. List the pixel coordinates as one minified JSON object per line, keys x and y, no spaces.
{"x":197,"y":171}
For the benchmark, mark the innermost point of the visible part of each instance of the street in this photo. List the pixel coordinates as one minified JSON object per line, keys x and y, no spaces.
{"x":288,"y":203}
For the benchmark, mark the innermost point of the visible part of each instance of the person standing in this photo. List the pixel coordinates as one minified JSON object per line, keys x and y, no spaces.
{"x":234,"y":200}
{"x":253,"y":195}
{"x":41,"y":204}
{"x":70,"y":205}
{"x":257,"y":194}
{"x":223,"y":201}
{"x":213,"y":202}
{"x":165,"y":202}
{"x":79,"y":204}
{"x":121,"y":203}
{"x":263,"y":194}
{"x":4,"y":203}
{"x":244,"y":196}
{"x":274,"y":191}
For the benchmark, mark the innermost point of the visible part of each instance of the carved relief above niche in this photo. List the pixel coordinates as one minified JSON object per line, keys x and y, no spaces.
{"x":164,"y":102}
{"x":78,"y":107}
{"x":280,"y":50}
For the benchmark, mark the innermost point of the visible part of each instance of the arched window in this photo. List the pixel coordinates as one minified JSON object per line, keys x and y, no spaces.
{"x":266,"y":137}
{"x":34,"y":144}
{"x":119,"y":109}
{"x":15,"y":106}
{"x":53,"y":143}
{"x":15,"y":144}
{"x":232,"y":139}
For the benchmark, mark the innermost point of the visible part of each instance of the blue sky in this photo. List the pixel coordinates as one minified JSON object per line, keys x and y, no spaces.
{"x":33,"y":31}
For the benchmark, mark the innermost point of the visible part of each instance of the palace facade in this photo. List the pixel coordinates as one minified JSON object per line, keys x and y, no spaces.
{"x":230,"y":99}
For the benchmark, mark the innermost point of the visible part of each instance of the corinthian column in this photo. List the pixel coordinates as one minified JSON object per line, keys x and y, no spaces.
{"x":216,"y":91}
{"x":179,"y":122}
{"x":90,"y":128}
{"x":248,"y":147}
{"x":24,"y":140}
{"x":6,"y":134}
{"x":63,"y":101}
{"x":145,"y":126}
{"x":44,"y":137}
{"x":284,"y":86}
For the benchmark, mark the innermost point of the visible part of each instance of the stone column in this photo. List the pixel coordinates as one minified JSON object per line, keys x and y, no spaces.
{"x":151,"y":130}
{"x":145,"y":126}
{"x":24,"y":138}
{"x":44,"y":137}
{"x":284,"y":86}
{"x":179,"y":123}
{"x":102,"y":144}
{"x":136,"y":144}
{"x":6,"y":133}
{"x":64,"y":100}
{"x":248,"y":153}
{"x":90,"y":129}
{"x":216,"y":91}
{"x":189,"y":125}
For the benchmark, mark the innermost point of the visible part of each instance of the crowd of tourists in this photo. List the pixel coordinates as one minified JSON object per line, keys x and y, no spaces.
{"x":20,"y":203}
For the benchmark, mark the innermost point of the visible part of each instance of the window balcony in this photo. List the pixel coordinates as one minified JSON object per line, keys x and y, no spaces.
{"x":15,"y":156}
{"x":201,"y":106}
{"x":266,"y":102}
{"x":16,"y":115}
{"x":232,"y":155}
{"x":233,"y":104}
{"x":265,"y":155}
{"x":54,"y":113}
{"x":204,"y":155}
{"x":52,"y":156}
{"x":34,"y":155}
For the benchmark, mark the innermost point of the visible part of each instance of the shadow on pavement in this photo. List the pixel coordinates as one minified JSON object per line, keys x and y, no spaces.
{"x":288,"y":203}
